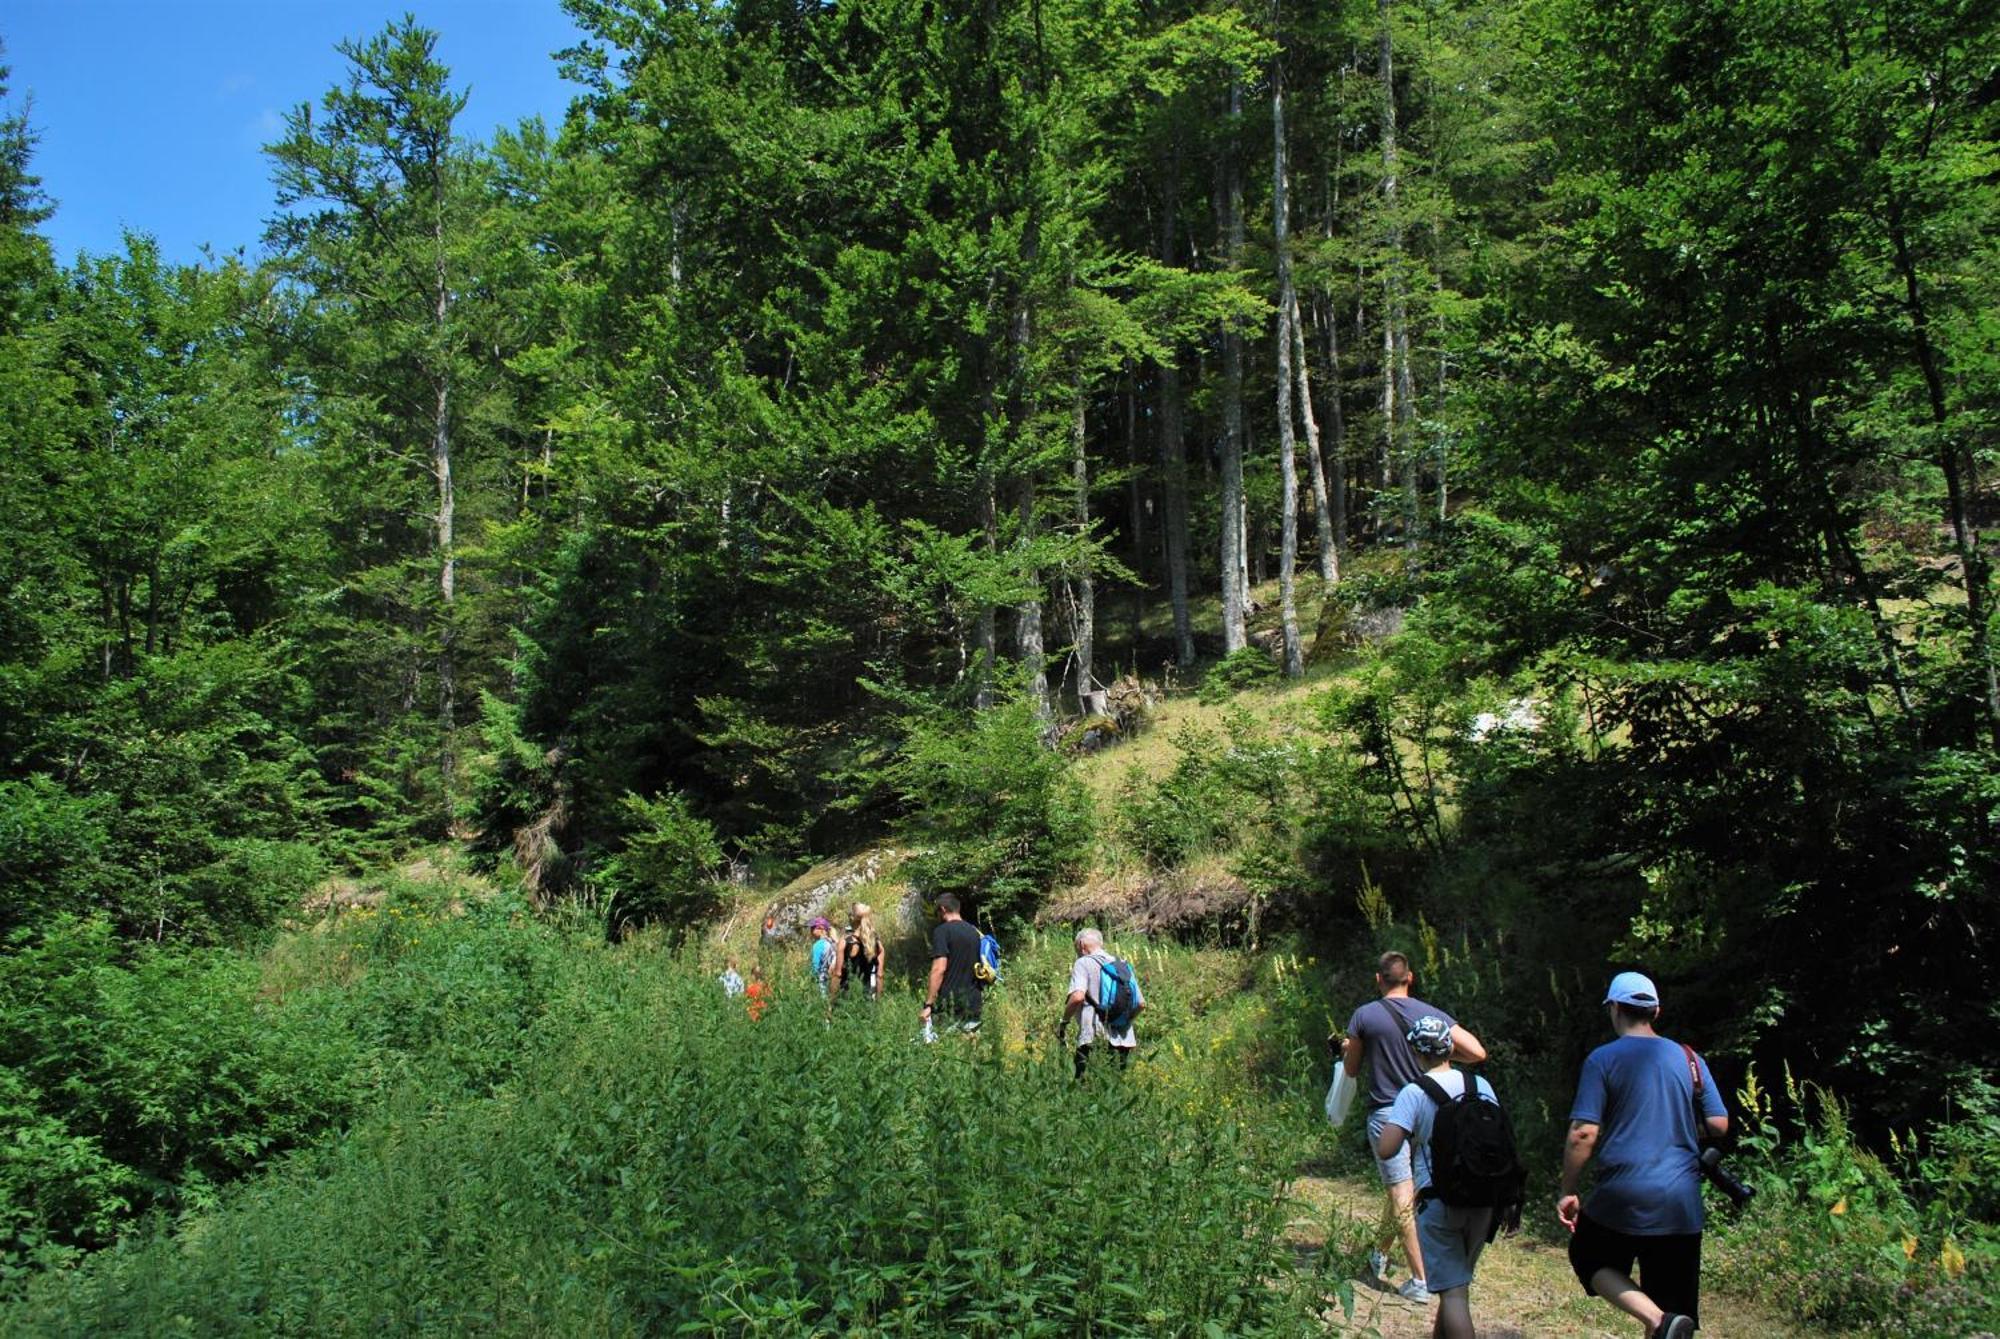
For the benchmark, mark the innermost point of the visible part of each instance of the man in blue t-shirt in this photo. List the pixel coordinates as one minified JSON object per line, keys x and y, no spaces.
{"x":1635,"y":1111}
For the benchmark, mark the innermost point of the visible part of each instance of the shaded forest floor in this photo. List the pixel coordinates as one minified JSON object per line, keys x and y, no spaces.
{"x":1523,"y":1290}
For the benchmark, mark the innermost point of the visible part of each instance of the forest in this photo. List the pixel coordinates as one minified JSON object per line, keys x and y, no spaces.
{"x":1514,"y":480}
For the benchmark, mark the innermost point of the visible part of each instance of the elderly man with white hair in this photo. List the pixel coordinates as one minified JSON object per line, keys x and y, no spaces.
{"x":1100,"y":1019}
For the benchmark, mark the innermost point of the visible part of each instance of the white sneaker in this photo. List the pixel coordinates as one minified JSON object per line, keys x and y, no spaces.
{"x":1413,"y":1290}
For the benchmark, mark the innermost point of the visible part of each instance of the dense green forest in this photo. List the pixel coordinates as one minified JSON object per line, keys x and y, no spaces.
{"x":821,"y":437}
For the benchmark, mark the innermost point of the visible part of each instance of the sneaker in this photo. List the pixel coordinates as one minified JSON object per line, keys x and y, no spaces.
{"x":1674,"y":1326}
{"x":1413,"y":1290}
{"x":1378,"y":1264}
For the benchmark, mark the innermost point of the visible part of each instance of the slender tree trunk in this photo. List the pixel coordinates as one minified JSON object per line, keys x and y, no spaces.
{"x":1086,"y":581}
{"x":1135,"y":492}
{"x":1329,"y":550}
{"x":1235,"y":633}
{"x":1956,"y":464}
{"x":447,"y":510}
{"x":1173,"y":451}
{"x":1337,"y":436}
{"x":1399,"y":382}
{"x":1288,"y":541}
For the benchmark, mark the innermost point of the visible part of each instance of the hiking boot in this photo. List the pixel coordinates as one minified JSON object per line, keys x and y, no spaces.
{"x":1378,"y":1265}
{"x":1413,"y":1290}
{"x":1674,"y":1326}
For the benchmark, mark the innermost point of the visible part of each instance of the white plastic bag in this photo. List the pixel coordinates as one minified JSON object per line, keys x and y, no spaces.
{"x":1340,"y":1094}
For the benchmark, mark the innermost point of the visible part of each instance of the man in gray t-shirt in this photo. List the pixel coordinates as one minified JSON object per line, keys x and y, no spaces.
{"x":1086,"y":986}
{"x":1376,"y":1037}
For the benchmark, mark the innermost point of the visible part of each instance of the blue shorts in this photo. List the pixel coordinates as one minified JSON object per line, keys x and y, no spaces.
{"x":1452,"y":1239}
{"x":1395,"y":1170}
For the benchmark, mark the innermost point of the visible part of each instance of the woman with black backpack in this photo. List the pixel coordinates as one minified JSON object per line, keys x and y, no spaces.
{"x":861,"y":956}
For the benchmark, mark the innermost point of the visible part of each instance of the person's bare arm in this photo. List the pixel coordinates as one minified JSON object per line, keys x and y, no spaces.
{"x":937,"y":983}
{"x":1074,"y":1006}
{"x":1391,"y":1142}
{"x":1465,"y":1047}
{"x":1718,"y":1126}
{"x":1577,"y":1149}
{"x":1350,"y":1057}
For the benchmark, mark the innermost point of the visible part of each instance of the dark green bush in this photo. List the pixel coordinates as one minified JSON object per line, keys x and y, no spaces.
{"x":1001,"y":814}
{"x":143,"y":1078}
{"x":1247,"y":667}
{"x":665,"y":872}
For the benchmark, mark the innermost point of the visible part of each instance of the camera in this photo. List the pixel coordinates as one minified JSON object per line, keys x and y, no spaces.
{"x":1723,"y":1179}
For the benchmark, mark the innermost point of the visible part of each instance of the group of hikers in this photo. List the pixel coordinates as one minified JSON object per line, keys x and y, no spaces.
{"x":1644,"y":1108}
{"x":1104,"y":998}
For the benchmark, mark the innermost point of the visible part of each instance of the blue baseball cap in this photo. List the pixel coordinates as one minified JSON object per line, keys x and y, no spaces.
{"x":1635,"y":989}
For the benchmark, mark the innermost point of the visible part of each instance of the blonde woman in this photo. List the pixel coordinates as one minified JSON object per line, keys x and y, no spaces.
{"x":860,"y":959}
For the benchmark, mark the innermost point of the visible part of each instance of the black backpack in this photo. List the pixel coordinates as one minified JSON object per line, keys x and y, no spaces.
{"x":1474,"y":1163}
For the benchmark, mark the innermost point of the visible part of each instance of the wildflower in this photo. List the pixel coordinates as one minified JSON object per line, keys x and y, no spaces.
{"x":1952,"y":1258}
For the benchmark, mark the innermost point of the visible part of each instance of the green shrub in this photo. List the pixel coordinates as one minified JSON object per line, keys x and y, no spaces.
{"x":1840,"y":1237}
{"x":143,"y":1081}
{"x":1001,"y":814}
{"x":449,"y":995}
{"x":664,"y":874}
{"x":672,"y":1167}
{"x":1246,"y":667}
{"x":1186,"y":813}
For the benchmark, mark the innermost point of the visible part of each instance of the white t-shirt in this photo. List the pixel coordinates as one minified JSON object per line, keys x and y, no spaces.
{"x":1415,"y":1112}
{"x":1084,"y":976}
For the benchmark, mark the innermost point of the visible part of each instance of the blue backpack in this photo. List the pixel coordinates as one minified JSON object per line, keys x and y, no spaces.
{"x":1117,"y":999}
{"x":987,"y":969}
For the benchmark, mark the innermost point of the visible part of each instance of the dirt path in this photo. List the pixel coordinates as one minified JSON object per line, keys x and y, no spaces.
{"x":1524,"y":1288}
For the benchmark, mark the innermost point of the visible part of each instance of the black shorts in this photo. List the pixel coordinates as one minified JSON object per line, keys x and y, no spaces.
{"x":1669,"y":1266}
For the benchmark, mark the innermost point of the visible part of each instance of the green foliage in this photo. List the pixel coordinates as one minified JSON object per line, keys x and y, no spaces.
{"x":666,"y":1165}
{"x":1247,"y":668}
{"x":666,"y":870}
{"x":1001,"y":817}
{"x":144,"y":1081}
{"x":1186,"y":813}
{"x":1845,"y":1238}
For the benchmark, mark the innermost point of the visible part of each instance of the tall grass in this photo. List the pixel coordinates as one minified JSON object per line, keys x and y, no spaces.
{"x":660,"y":1163}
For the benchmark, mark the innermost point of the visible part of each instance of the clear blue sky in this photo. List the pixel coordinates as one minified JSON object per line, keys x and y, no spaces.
{"x":152,"y":112}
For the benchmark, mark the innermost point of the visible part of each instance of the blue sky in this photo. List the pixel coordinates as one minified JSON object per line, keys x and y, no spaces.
{"x":152,"y":112}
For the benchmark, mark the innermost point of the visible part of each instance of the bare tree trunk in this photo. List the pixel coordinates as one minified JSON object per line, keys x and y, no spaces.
{"x":1173,"y":452}
{"x":1087,"y":696}
{"x":446,"y":522}
{"x":1288,"y":542}
{"x":1337,"y":425}
{"x":1235,"y":635}
{"x":1399,"y":383}
{"x":1329,"y":550}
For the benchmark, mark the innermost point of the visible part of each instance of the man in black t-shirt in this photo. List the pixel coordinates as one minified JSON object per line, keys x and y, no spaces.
{"x":955,"y":991}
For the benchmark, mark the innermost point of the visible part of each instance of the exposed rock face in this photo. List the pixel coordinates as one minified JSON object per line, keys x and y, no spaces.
{"x":1187,"y":899}
{"x":825,"y":890}
{"x":1346,"y":627}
